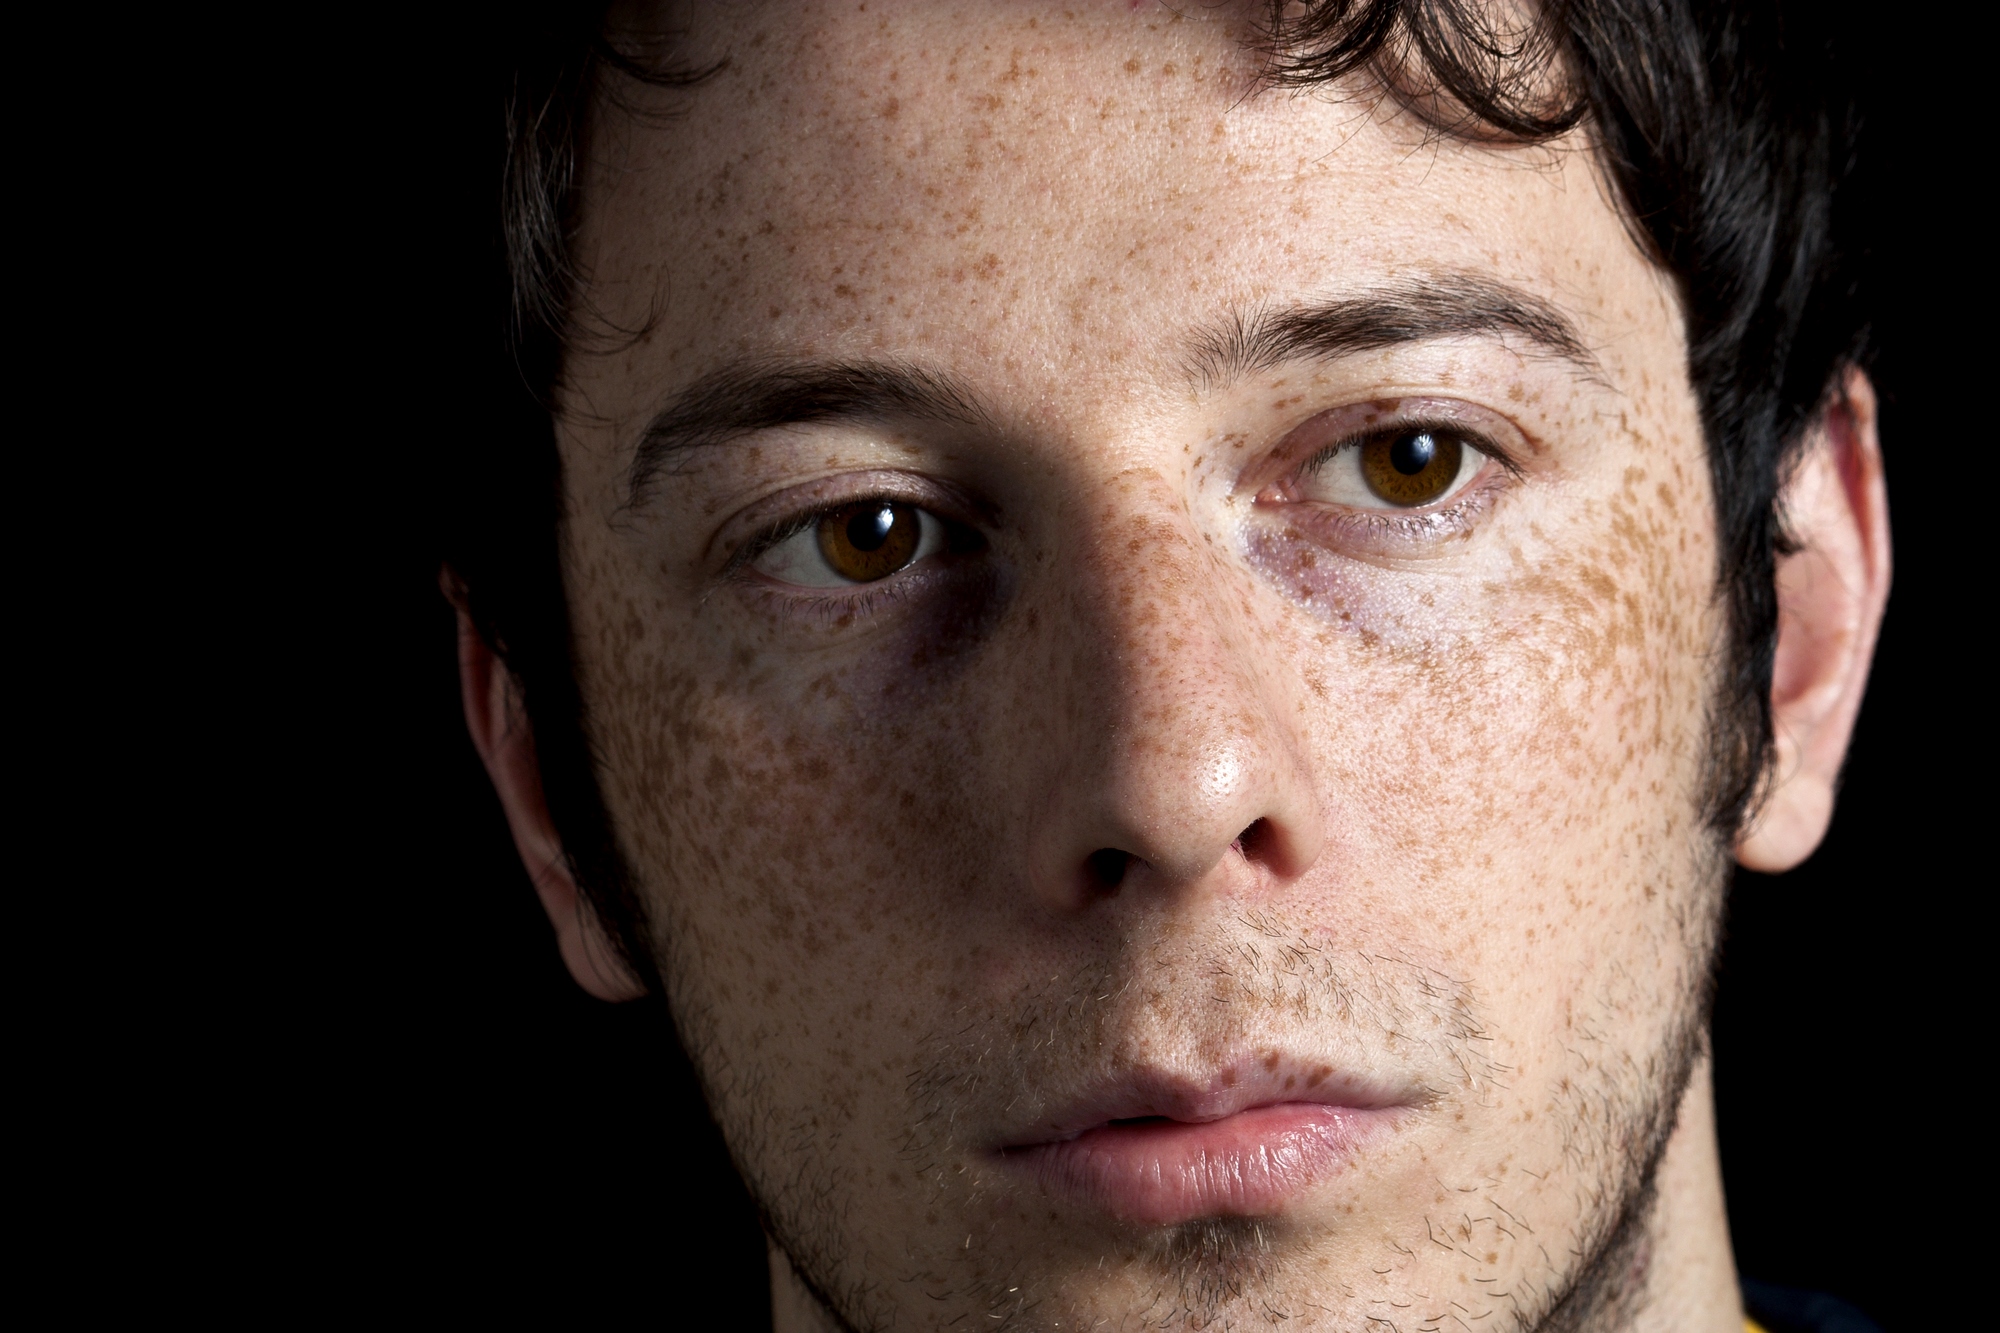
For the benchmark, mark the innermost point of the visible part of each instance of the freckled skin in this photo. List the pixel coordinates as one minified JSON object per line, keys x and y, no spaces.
{"x":865,"y":835}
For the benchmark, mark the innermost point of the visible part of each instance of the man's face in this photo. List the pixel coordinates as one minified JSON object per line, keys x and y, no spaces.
{"x":1155,"y":675}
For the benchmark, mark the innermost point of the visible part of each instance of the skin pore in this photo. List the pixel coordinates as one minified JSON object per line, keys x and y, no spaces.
{"x":1177,"y":757}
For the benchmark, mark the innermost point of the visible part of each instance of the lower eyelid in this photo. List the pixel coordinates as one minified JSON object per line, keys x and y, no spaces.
{"x":1360,"y":529}
{"x":835,"y":606}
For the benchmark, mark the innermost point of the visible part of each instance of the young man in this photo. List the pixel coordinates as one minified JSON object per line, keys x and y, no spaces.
{"x":1160,"y":626}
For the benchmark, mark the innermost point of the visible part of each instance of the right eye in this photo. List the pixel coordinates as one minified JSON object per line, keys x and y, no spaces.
{"x":1402,"y":469}
{"x":855,"y":544}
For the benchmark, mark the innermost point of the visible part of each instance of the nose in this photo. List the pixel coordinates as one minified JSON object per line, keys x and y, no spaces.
{"x":1179,"y":764}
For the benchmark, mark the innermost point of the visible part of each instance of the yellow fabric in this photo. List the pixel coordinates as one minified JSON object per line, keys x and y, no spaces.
{"x":1751,"y":1326}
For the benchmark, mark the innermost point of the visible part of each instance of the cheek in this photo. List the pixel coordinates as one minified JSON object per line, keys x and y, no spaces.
{"x":1514,"y":752}
{"x":799,"y":835}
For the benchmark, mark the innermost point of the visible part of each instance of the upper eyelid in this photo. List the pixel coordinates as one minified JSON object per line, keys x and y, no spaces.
{"x":931,"y":494}
{"x":1480,"y":441}
{"x":777,"y":535}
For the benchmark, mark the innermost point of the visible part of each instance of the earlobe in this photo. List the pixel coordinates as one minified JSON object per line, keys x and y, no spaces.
{"x":501,"y":733}
{"x":1831,"y":593}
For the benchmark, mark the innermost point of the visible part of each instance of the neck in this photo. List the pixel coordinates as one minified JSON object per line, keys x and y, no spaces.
{"x":794,"y":1308}
{"x":1690,"y":1276}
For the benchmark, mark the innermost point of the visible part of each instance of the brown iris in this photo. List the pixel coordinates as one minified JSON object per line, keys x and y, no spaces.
{"x":871,"y":540}
{"x":1414,"y":467}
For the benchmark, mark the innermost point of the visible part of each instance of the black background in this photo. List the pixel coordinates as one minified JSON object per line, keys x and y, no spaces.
{"x":428,"y":1105}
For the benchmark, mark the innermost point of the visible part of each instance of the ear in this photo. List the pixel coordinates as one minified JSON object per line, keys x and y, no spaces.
{"x":1831,"y":592}
{"x":506,"y":743}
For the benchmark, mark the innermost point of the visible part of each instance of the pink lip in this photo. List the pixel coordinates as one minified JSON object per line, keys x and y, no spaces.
{"x":1158,"y":1151}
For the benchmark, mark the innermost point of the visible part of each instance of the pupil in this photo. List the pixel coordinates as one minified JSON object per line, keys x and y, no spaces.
{"x":867,"y":530}
{"x":1413,"y":453}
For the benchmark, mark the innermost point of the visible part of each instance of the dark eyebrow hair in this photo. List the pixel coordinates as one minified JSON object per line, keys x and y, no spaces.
{"x":748,"y":397}
{"x":1443,"y":307}
{"x":752,"y":396}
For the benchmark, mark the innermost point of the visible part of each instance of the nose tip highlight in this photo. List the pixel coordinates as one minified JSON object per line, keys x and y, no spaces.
{"x":1220,"y":775}
{"x":1153,"y":807}
{"x":1158,"y":826}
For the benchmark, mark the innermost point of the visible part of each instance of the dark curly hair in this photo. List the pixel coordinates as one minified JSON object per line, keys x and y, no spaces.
{"x":1721,"y":124}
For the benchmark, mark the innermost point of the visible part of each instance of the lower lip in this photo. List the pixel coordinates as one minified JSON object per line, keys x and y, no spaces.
{"x":1162,"y":1172}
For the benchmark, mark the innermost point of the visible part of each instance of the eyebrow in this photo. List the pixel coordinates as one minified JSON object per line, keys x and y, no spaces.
{"x":764,"y":395}
{"x":748,"y":397}
{"x":1453,"y":305}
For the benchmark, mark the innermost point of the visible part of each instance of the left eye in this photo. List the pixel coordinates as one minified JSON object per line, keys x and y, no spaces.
{"x":857,"y":543}
{"x":1402,"y":469}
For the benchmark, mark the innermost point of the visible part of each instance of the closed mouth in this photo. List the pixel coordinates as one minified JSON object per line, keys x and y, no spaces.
{"x":1247,"y":1142}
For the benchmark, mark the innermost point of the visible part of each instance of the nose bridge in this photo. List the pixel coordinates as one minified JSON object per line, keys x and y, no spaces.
{"x":1177,"y":748}
{"x":1177,"y":692}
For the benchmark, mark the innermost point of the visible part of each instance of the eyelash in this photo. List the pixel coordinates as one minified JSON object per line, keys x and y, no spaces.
{"x":1480,"y":443}
{"x":783,"y":531}
{"x":830,"y":606}
{"x":1417,"y":524}
{"x":1433,"y":525}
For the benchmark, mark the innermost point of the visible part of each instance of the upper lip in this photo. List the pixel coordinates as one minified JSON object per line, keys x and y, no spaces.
{"x":1242,"y":1084}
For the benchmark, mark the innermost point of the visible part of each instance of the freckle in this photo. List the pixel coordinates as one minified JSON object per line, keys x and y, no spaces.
{"x":1132,"y":67}
{"x":1270,"y":1060}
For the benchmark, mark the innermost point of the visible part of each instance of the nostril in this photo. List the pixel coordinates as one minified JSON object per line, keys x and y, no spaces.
{"x":1254,"y":842}
{"x":1106,"y":868}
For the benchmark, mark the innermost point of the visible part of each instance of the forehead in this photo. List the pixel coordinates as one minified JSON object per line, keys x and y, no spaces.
{"x":1040,"y":189}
